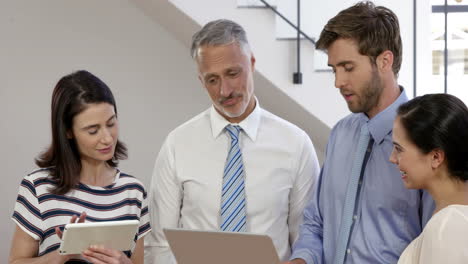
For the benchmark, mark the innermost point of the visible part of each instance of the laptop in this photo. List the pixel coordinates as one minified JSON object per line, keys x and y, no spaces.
{"x":215,"y":247}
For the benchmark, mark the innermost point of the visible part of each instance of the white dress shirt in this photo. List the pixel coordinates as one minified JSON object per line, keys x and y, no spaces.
{"x":443,"y":240}
{"x":280,"y":165}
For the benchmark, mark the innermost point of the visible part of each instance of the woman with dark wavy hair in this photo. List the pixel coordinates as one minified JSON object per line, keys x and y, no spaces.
{"x":430,"y":137}
{"x":78,"y":179}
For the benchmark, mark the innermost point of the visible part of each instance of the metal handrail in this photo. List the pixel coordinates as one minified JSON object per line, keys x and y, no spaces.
{"x":288,"y":21}
{"x":297,"y":76}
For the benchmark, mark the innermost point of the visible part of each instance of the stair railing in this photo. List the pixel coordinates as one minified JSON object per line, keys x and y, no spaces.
{"x":297,"y":76}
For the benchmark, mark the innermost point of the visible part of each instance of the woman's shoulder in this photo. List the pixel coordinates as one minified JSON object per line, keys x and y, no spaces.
{"x":449,"y":221}
{"x":450,"y":212}
{"x":128,"y":177}
{"x":37,"y":182}
{"x":39,"y":174}
{"x":130,"y":181}
{"x":445,"y":236}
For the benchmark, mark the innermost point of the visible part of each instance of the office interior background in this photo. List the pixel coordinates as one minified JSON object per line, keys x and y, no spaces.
{"x":140,"y":48}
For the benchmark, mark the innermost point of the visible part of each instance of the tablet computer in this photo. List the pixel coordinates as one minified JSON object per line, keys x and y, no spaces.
{"x":214,"y":247}
{"x":118,"y":235}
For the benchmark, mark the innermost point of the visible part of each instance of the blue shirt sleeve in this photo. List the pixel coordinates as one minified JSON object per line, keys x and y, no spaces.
{"x":309,"y":245}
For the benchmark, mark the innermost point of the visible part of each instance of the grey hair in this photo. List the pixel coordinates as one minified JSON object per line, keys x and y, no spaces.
{"x":217,"y":33}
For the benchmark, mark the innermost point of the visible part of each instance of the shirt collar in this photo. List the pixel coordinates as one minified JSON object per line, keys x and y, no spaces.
{"x":382,"y":124}
{"x":249,"y":125}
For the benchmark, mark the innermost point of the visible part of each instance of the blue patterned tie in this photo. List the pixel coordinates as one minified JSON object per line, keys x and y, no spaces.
{"x":350,"y":199}
{"x":233,"y":216}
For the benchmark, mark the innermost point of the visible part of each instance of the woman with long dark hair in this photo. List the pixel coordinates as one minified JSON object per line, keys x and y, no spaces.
{"x":430,"y":137}
{"x":78,"y":179}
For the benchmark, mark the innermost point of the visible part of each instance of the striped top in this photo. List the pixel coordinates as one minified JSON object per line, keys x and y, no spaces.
{"x":38,"y":212}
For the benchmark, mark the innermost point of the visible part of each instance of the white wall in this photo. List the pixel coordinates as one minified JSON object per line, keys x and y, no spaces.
{"x":151,"y":74}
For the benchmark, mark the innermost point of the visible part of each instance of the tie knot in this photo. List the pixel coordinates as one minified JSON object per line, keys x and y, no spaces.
{"x":233,"y":131}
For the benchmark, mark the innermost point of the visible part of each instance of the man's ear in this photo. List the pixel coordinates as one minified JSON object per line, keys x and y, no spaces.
{"x":385,"y":61}
{"x":252,"y":62}
{"x":437,"y":158}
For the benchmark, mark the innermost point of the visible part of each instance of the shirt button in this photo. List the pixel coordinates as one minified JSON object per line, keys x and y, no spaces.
{"x":354,"y":217}
{"x":360,"y":182}
{"x":348,"y":251}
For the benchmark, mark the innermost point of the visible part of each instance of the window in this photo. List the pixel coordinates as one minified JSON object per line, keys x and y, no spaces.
{"x":449,"y":49}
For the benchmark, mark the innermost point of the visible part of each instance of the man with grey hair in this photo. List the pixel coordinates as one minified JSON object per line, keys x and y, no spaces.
{"x":234,"y":167}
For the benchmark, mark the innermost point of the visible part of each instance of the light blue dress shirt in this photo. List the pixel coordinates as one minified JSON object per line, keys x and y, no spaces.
{"x":387,"y":216}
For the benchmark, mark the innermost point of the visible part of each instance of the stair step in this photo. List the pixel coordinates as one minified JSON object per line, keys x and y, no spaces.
{"x":291,"y":38}
{"x":255,"y":3}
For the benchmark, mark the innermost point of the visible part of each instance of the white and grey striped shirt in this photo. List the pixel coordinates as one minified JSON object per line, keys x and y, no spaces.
{"x":38,"y":211}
